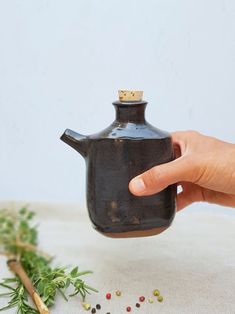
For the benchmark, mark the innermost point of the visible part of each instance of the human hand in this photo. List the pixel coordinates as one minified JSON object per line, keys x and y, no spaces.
{"x":204,"y":167}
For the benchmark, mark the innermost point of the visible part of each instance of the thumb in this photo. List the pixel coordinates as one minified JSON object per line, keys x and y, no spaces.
{"x":159,"y":177}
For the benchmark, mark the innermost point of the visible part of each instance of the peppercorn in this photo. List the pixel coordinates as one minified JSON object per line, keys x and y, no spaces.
{"x":137,"y":305}
{"x":142,"y":298}
{"x":128,"y":309}
{"x":98,"y":306}
{"x":160,"y":298}
{"x":156,"y":292}
{"x":118,"y":293}
{"x":108,"y":296}
{"x":93,"y":311}
{"x":86,"y":306}
{"x":150,"y":300}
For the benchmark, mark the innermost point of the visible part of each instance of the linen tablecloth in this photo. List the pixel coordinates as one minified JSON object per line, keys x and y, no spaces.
{"x":192,"y":263}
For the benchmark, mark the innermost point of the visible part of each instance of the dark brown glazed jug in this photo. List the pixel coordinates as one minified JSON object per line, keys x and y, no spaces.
{"x":125,"y":149}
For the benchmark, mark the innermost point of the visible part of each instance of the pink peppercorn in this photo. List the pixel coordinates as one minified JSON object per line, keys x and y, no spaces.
{"x":108,"y":296}
{"x":142,"y":298}
{"x":128,"y":309}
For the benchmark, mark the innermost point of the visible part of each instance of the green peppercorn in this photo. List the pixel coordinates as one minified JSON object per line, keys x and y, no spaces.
{"x":160,"y":298}
{"x":86,"y":306}
{"x":156,"y":292}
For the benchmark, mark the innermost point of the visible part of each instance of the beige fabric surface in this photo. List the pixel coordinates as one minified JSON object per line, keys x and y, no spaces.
{"x":193,"y":263}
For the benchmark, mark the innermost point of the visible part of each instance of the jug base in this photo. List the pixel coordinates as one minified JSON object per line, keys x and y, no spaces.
{"x":135,"y":233}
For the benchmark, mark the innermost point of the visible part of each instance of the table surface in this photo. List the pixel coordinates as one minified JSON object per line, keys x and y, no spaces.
{"x":192,"y":263}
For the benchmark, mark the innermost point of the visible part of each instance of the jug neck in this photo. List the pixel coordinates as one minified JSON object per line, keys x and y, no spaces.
{"x":132,"y":111}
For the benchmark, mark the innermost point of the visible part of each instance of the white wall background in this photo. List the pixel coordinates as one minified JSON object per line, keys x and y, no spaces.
{"x":62,"y":62}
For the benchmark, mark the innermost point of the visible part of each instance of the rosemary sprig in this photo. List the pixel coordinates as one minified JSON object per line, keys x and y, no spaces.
{"x":34,"y":273}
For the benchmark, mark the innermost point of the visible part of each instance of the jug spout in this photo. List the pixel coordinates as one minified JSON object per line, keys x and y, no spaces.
{"x":77,"y":141}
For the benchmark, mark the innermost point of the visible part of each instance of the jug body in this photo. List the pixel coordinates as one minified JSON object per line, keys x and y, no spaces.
{"x":128,"y":147}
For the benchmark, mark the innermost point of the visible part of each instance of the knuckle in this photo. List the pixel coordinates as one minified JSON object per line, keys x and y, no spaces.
{"x":192,"y":133}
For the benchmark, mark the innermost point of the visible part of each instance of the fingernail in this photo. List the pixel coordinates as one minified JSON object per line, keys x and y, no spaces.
{"x":137,"y":185}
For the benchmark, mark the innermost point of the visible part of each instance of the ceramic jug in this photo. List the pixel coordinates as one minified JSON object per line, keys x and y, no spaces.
{"x":125,"y":149}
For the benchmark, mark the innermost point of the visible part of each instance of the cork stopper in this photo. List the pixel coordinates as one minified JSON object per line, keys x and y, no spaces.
{"x":130,"y":95}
